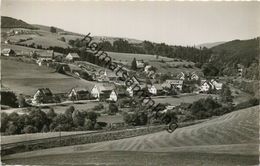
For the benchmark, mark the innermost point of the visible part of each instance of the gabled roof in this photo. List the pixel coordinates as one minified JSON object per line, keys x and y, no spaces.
{"x":45,"y":91}
{"x":74,"y":55}
{"x":105,"y":87}
{"x":80,"y":89}
{"x":7,"y":50}
{"x":175,"y":82}
{"x":158,"y":86}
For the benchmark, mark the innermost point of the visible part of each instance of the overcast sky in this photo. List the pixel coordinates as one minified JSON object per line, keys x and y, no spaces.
{"x":178,"y":23}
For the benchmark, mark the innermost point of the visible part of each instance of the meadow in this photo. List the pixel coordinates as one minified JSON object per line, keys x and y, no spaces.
{"x":26,"y":78}
{"x":231,"y":139}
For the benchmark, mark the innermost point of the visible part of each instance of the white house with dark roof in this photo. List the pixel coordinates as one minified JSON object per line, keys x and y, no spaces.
{"x":217,"y":85}
{"x":95,"y":92}
{"x":181,"y":76}
{"x":42,"y":95}
{"x":8,"y":52}
{"x":79,"y":93}
{"x":72,"y":57}
{"x":194,"y":76}
{"x":205,"y":86}
{"x":177,"y":84}
{"x":155,"y":89}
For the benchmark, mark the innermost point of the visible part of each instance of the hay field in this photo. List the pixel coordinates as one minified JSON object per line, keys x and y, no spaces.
{"x":231,"y":139}
{"x":26,"y":78}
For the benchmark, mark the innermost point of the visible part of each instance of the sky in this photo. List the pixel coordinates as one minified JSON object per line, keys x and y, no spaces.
{"x":176,"y":23}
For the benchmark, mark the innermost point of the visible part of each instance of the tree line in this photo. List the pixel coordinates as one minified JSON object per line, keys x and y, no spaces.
{"x":39,"y":121}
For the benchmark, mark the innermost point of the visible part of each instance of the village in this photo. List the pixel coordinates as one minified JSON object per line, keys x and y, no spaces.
{"x":108,"y":86}
{"x":139,"y":83}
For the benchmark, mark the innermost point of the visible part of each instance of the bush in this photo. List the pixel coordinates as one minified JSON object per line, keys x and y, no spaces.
{"x":97,"y":126}
{"x":30,"y":129}
{"x":98,"y":107}
{"x":8,"y":98}
{"x":21,"y":101}
{"x":112,"y":109}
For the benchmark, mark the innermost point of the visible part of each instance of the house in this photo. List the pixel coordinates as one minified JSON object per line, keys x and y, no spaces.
{"x":72,"y":57}
{"x":8,"y":52}
{"x":104,"y":76}
{"x":177,"y":84}
{"x":155,"y":89}
{"x":181,"y":76}
{"x":147,"y":68}
{"x":140,"y":64}
{"x":102,"y":91}
{"x":47,"y":54}
{"x":78,"y":93}
{"x":217,"y":85}
{"x":116,"y":94}
{"x":132,"y":90}
{"x":194,"y":76}
{"x":95,"y":92}
{"x":205,"y":86}
{"x":240,"y":69}
{"x":43,"y":95}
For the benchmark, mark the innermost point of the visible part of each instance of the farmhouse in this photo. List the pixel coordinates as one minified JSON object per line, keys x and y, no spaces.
{"x":177,"y":84}
{"x":181,"y":76}
{"x":8,"y":52}
{"x":155,"y":89}
{"x":131,"y":90}
{"x":79,"y":94}
{"x":116,"y":94}
{"x":194,"y":76}
{"x":147,"y":68}
{"x":205,"y":86}
{"x":140,"y":64}
{"x":217,"y":85}
{"x":43,"y":95}
{"x":95,"y":92}
{"x":72,"y":57}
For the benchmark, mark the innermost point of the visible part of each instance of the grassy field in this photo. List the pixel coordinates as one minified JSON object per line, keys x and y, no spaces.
{"x":231,"y":139}
{"x":27,"y":78}
{"x":183,"y":99}
{"x":34,"y":136}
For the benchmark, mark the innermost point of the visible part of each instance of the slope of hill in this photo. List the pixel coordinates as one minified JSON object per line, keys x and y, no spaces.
{"x":243,"y":52}
{"x":8,"y":22}
{"x":26,"y":78}
{"x":210,"y":45}
{"x":231,"y":139}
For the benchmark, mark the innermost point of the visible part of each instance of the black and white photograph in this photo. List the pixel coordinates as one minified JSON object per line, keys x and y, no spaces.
{"x":130,"y":83}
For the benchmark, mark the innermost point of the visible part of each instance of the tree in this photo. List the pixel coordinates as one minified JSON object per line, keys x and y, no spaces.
{"x":63,"y":39}
{"x":53,"y":29}
{"x":4,"y":121}
{"x":112,"y":109}
{"x":134,"y":64}
{"x":11,"y":129}
{"x":45,"y":129}
{"x":69,"y":111}
{"x":30,"y":129}
{"x":225,"y":94}
{"x":78,"y":118}
{"x":51,"y":114}
{"x":88,"y":125}
{"x":8,"y":98}
{"x":38,"y":118}
{"x":92,"y":116}
{"x":21,"y":101}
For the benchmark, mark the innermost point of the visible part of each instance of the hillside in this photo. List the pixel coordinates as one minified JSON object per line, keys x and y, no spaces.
{"x":210,"y":45}
{"x":231,"y":139}
{"x":8,"y":22}
{"x":243,"y":52}
{"x":26,"y":78}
